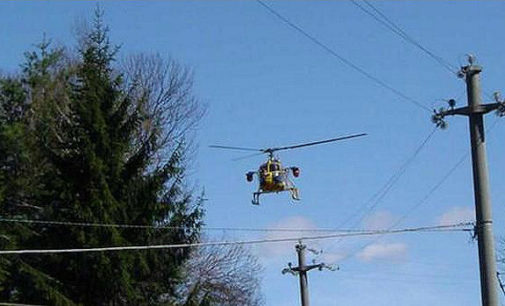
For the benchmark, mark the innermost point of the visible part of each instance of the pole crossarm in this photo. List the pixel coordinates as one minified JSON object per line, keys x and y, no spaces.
{"x":295,"y":270}
{"x":309,"y":267}
{"x":481,"y":109}
{"x":467,"y":111}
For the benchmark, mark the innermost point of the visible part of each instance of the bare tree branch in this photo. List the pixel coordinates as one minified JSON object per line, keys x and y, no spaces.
{"x":163,"y":90}
{"x":222,"y":275}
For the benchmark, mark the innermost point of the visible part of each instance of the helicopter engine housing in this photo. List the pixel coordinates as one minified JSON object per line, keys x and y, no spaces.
{"x":296,"y":171}
{"x":249,"y":176}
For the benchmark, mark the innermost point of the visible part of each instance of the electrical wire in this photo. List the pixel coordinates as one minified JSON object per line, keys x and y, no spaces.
{"x":379,"y":16}
{"x":460,"y":226}
{"x":162,"y":227}
{"x":383,"y":191}
{"x":405,"y":280}
{"x":432,"y":190}
{"x":500,"y":282}
{"x":340,"y":57}
{"x":432,"y":264}
{"x":376,"y":198}
{"x":14,"y":304}
{"x":425,"y":198}
{"x":415,"y":275}
{"x":440,"y":182}
{"x":415,"y":206}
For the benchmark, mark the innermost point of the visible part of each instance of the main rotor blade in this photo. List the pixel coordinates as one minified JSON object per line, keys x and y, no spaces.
{"x":247,"y":156}
{"x":235,"y":148}
{"x":315,"y":142}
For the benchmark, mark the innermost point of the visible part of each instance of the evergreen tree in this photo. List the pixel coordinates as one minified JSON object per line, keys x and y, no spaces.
{"x":89,"y":158}
{"x":19,"y":178}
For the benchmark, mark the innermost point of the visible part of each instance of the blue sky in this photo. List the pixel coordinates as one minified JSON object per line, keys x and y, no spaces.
{"x":266,"y":85}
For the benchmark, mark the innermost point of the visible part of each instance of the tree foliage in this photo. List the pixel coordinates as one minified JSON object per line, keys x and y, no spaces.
{"x":84,"y":141}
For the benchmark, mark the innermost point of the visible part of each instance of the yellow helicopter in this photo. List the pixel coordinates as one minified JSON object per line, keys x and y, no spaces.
{"x":272,"y":176}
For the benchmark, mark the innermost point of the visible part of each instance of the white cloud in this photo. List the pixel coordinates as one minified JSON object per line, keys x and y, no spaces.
{"x":378,"y":220}
{"x":331,"y":258}
{"x":388,"y":251}
{"x":457,"y":214}
{"x":283,"y":248}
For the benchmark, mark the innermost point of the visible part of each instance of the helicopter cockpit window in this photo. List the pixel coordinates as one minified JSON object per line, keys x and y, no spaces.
{"x":274,"y":167}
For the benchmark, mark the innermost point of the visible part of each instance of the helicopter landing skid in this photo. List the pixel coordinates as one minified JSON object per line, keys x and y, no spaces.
{"x":294,"y":194}
{"x":256,"y":196}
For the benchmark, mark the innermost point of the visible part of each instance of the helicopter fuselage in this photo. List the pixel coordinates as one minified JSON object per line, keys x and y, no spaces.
{"x":274,"y":178}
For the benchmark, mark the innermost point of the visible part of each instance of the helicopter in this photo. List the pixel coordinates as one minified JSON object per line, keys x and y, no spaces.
{"x":272,"y":177}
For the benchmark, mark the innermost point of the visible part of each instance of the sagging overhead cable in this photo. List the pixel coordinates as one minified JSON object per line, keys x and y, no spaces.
{"x":443,"y":228}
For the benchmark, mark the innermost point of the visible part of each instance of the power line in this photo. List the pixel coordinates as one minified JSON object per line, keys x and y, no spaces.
{"x":384,"y":20}
{"x":500,"y":282}
{"x":415,"y":206}
{"x":426,"y":197}
{"x":14,"y":304}
{"x":340,"y":57}
{"x":86,"y":224}
{"x":440,"y":182}
{"x":383,"y":191}
{"x":452,"y":227}
{"x":405,"y":279}
{"x":404,"y":274}
{"x":162,"y":227}
{"x":432,"y":190}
